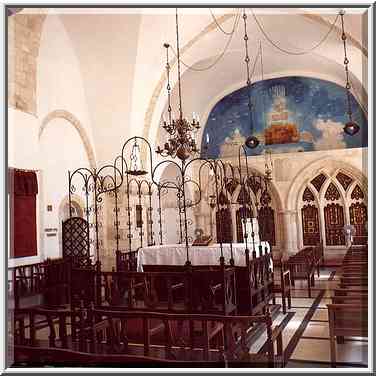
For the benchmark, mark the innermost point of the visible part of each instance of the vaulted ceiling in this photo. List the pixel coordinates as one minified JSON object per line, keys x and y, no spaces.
{"x":122,"y":59}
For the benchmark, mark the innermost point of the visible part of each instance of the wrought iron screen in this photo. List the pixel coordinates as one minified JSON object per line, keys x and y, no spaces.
{"x":76,"y":238}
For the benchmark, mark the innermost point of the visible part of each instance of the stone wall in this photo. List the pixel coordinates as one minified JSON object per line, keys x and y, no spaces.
{"x":24,"y":32}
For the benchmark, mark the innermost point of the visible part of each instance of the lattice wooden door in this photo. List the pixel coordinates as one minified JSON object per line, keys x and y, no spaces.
{"x":76,"y":238}
{"x":311,"y":226}
{"x":334,"y":222}
{"x":358,"y":218}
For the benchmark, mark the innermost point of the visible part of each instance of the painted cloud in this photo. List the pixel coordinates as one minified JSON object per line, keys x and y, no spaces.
{"x":331,"y":137}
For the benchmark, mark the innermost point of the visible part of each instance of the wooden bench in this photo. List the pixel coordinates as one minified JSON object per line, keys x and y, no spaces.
{"x":346,"y":320}
{"x":348,"y":313}
{"x":48,"y":282}
{"x":104,"y":332}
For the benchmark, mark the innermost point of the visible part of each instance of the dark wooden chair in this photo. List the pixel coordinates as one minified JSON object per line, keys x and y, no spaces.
{"x":283,"y":287}
{"x":301,"y":266}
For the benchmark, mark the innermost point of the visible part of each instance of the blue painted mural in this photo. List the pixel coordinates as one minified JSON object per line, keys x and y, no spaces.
{"x":289,"y":114}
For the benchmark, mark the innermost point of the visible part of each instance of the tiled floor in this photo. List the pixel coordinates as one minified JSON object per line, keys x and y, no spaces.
{"x":306,"y":336}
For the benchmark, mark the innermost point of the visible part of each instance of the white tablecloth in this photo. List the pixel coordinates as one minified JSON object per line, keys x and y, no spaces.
{"x":176,"y":254}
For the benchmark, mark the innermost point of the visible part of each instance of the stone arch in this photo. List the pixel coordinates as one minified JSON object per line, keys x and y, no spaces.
{"x":329,"y":167}
{"x":324,"y":165}
{"x":63,"y":114}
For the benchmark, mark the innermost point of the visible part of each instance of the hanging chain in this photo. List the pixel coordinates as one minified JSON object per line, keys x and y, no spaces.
{"x":346,"y":64}
{"x":168,"y":68}
{"x":178,"y":57}
{"x":317,"y":45}
{"x":220,"y":27}
{"x":261,"y":63}
{"x":220,"y":56}
{"x":247,"y":60}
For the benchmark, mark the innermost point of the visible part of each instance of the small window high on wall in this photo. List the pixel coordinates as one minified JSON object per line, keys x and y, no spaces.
{"x":23,"y":190}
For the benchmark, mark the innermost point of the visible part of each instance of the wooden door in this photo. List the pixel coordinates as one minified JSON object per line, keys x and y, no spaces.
{"x":310,"y":225}
{"x":76,"y":239}
{"x":358,"y":218}
{"x":334,"y":222}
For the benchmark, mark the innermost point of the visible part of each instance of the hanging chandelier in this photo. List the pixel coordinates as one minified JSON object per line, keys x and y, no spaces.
{"x":136,"y":167}
{"x":351,"y":127}
{"x":252,"y":141}
{"x":181,"y":142}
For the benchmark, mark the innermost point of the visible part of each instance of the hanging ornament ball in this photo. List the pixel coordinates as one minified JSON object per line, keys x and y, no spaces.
{"x":252,"y":142}
{"x":182,"y":153}
{"x":351,"y":128}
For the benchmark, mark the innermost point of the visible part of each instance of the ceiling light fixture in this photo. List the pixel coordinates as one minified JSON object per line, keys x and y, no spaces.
{"x":351,"y":127}
{"x":181,"y":142}
{"x":252,"y":141}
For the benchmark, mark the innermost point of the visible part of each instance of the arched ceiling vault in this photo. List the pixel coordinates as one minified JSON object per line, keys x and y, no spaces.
{"x":122,"y":61}
{"x":201,"y":90}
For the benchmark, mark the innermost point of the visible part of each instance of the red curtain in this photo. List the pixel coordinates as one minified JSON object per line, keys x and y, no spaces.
{"x":23,"y":188}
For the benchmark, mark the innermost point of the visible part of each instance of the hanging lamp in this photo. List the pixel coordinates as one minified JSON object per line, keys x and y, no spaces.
{"x":252,"y":141}
{"x":181,"y":142}
{"x":351,"y":127}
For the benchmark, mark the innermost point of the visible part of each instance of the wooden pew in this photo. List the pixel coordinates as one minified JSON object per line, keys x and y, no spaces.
{"x":187,"y":337}
{"x":49,"y":281}
{"x":348,"y":313}
{"x":26,"y":281}
{"x":346,"y":320}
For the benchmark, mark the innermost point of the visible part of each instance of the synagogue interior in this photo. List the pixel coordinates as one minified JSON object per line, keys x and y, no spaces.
{"x":187,"y":187}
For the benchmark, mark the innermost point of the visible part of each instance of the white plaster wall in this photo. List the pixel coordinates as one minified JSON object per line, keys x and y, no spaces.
{"x":106,"y":46}
{"x":59,"y":79}
{"x":63,"y":146}
{"x":59,"y":87}
{"x":22,"y":139}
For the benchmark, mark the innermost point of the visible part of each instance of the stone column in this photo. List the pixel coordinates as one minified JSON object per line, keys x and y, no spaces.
{"x":289,"y":244}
